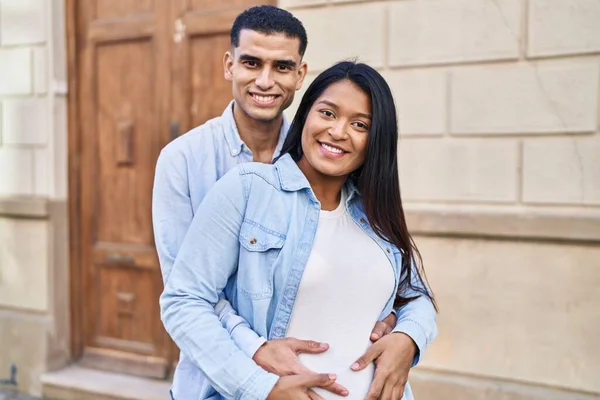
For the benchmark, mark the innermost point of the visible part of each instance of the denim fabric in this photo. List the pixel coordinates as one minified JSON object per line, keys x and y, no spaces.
{"x":250,"y":238}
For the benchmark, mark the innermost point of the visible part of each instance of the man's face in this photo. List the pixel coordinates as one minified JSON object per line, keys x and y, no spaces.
{"x":265,"y":72}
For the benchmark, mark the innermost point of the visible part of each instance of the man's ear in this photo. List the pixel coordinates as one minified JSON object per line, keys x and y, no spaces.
{"x":302,"y":70}
{"x":228,"y":65}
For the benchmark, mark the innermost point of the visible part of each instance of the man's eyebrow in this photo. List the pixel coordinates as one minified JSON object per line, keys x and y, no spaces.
{"x":333,"y":105}
{"x":247,"y":57}
{"x":287,"y":63}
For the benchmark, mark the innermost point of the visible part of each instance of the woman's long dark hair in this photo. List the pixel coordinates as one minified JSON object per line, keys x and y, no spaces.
{"x":377,"y":180}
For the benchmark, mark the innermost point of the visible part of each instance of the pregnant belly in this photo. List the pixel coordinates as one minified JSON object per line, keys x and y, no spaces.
{"x":337,"y":360}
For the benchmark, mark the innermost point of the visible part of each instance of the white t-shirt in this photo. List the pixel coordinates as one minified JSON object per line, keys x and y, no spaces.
{"x":347,"y":281}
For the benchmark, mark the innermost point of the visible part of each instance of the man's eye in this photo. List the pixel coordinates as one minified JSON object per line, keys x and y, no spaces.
{"x":285,"y":68}
{"x":251,"y":64}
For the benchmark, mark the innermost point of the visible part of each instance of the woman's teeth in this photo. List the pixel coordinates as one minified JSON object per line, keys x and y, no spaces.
{"x":332,"y":149}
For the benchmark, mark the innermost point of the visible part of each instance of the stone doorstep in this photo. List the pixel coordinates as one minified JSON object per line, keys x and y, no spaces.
{"x":78,"y":383}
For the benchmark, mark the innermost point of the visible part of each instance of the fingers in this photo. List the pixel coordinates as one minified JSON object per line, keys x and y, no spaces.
{"x":313,"y":396}
{"x":371,"y":354}
{"x":383,"y":327}
{"x":391,"y":320}
{"x":308,"y":346}
{"x":388,"y":392}
{"x":376,"y":387}
{"x":380,"y":330}
{"x":338,"y":389}
{"x":398,"y":392}
{"x":316,"y":380}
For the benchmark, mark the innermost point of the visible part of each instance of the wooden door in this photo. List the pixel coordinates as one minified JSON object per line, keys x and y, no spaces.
{"x":140,"y":72}
{"x":123,"y":86}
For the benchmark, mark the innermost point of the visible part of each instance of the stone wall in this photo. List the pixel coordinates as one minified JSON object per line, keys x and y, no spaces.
{"x":33,"y":190}
{"x":500,"y":170}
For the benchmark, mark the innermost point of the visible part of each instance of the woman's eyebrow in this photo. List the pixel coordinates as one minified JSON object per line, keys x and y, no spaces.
{"x":333,"y":105}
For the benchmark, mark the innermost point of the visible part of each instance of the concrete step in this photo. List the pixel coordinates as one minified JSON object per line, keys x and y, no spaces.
{"x":78,"y":383}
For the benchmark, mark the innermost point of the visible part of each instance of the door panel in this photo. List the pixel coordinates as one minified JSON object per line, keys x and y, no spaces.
{"x":123,"y":80}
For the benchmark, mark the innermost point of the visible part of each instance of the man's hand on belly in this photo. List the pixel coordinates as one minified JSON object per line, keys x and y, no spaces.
{"x":393,"y":356}
{"x":280,"y":357}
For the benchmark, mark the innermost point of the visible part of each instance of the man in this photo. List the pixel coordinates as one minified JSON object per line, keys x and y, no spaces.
{"x":265,"y":68}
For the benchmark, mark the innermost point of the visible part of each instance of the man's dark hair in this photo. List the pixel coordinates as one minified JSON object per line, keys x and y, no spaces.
{"x":269,"y":20}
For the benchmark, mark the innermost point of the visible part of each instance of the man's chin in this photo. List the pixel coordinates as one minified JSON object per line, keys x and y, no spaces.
{"x":265,"y":115}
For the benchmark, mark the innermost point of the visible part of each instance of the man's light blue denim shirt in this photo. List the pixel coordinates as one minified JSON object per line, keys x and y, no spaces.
{"x":186,"y":170}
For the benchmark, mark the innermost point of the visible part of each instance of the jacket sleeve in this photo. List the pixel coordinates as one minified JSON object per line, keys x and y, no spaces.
{"x":417,"y":319}
{"x":172,"y":215}
{"x":206,"y":261}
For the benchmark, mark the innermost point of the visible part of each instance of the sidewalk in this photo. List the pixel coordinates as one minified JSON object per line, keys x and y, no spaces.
{"x":12,"y":395}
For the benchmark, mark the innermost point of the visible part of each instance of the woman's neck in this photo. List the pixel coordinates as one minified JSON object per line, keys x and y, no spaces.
{"x":327,"y":189}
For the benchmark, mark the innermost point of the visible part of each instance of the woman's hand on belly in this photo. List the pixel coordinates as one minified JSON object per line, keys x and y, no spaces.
{"x":280,"y":357}
{"x":393,"y":356}
{"x":298,"y":387}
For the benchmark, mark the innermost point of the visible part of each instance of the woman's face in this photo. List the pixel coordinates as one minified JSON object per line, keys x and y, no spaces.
{"x":335,"y":134}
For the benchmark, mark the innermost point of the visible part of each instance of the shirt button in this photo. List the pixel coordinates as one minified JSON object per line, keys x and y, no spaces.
{"x":252,"y":240}
{"x":388,"y":249}
{"x":362,"y":220}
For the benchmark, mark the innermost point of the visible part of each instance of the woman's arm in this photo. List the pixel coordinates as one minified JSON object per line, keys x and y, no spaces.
{"x":172,"y":214}
{"x":417,"y":319}
{"x":206,"y":260}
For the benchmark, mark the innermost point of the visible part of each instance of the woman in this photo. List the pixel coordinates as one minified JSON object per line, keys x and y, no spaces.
{"x":322,"y":222}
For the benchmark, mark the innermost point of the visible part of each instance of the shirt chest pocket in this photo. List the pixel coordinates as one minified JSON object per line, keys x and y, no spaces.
{"x":259,"y":248}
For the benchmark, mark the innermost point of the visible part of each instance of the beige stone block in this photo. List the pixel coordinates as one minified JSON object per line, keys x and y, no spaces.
{"x":24,"y":264}
{"x":458,"y":170}
{"x":562,"y":170}
{"x":544,"y":97}
{"x":25,"y":121}
{"x":563,"y":27}
{"x":429,"y":385}
{"x":520,"y":311}
{"x":17,"y":171}
{"x":42,"y":172}
{"x":15,"y":71}
{"x":60,"y":153}
{"x":420,"y":97}
{"x":344,"y":32}
{"x":23,"y":337}
{"x":440,"y":31}
{"x":40,"y":69}
{"x":299,"y":3}
{"x":22,"y":21}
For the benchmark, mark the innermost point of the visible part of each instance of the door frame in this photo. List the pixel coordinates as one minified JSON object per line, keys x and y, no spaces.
{"x":74,"y":179}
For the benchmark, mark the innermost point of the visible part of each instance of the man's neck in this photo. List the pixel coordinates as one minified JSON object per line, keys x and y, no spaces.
{"x":260,"y":136}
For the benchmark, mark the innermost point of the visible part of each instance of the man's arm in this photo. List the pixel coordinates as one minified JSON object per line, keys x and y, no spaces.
{"x":172,"y":214}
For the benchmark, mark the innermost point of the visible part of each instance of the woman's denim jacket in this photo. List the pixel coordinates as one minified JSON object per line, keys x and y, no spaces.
{"x":251,"y":238}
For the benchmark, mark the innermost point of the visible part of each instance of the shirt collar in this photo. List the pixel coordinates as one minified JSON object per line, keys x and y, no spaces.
{"x":233,"y":138}
{"x":292,"y":179}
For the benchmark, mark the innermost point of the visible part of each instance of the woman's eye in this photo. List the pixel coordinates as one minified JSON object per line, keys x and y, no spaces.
{"x":327,"y":113}
{"x":361,"y":125}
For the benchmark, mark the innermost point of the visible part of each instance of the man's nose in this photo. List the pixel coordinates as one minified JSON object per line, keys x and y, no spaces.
{"x":264,"y":80}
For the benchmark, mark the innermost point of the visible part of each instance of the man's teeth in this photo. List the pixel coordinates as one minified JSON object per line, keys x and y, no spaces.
{"x":332,"y":149}
{"x":264,"y":99}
